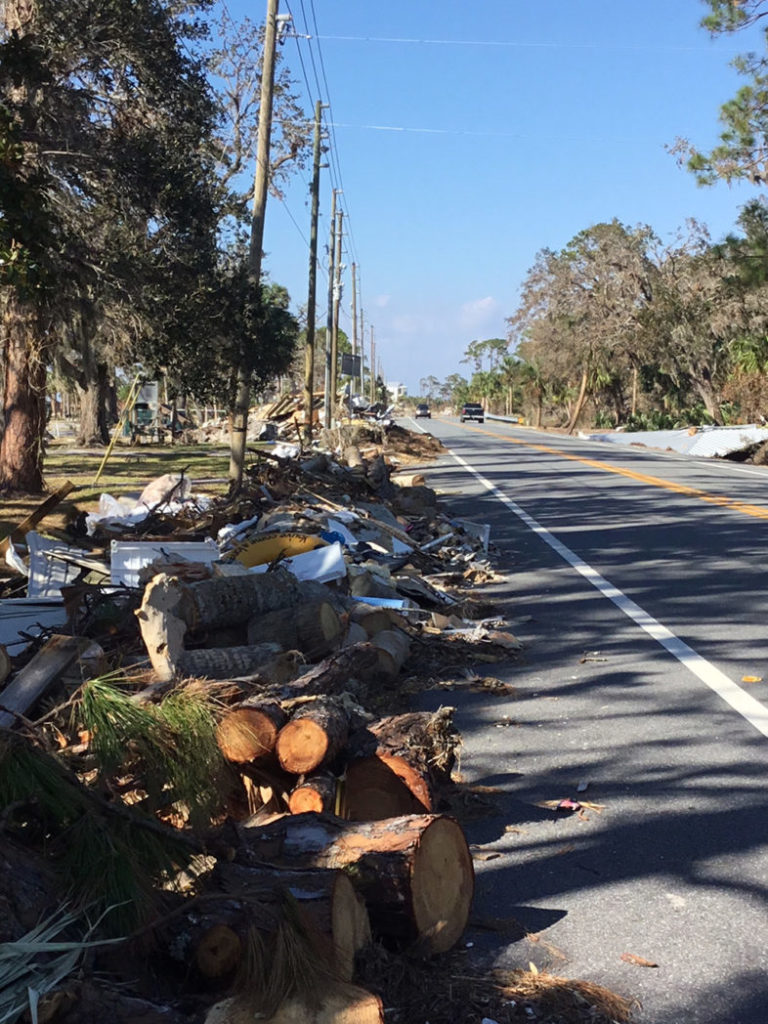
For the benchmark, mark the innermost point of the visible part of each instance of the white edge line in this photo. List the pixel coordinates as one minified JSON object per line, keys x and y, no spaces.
{"x":733,"y":695}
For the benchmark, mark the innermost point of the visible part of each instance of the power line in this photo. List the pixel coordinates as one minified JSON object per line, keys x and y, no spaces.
{"x":509,"y":44}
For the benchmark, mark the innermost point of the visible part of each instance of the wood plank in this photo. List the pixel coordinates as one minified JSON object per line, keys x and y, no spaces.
{"x":44,"y":669}
{"x":21,"y":529}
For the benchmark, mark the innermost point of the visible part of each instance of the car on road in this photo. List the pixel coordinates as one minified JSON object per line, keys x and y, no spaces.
{"x":472,"y":411}
{"x":423,"y":410}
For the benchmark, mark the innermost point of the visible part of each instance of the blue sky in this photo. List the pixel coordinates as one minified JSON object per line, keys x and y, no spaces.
{"x":518,"y":124}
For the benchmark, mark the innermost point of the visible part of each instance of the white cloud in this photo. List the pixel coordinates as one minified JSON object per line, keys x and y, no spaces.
{"x":381,"y":301}
{"x":479,"y":313}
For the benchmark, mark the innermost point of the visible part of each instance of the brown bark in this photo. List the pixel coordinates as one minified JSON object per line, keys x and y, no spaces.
{"x":24,"y":377}
{"x":313,"y":628}
{"x":314,"y":736}
{"x":248,"y":733}
{"x":414,"y":872}
{"x":93,"y":390}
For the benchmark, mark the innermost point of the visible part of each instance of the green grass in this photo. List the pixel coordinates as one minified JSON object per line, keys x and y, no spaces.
{"x":124,"y":474}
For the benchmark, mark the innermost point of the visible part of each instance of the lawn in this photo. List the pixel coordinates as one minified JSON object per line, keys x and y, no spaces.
{"x":127,"y":472}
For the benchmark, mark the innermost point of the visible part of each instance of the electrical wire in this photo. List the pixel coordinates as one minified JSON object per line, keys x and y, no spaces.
{"x":509,"y":44}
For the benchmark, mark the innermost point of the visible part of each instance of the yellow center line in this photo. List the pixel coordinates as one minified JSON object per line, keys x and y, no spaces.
{"x":756,"y":511}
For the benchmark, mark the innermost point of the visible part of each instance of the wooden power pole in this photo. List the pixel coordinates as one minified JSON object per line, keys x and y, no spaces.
{"x":260,"y":183}
{"x":373,"y":366}
{"x":336,"y":304}
{"x":309,"y":351}
{"x":329,"y":316}
{"x":352,"y":383}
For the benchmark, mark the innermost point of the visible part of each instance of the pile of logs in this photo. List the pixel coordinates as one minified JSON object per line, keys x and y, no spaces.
{"x":344,"y":808}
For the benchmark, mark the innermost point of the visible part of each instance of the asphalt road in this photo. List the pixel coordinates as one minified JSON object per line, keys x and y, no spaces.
{"x":644,"y":576}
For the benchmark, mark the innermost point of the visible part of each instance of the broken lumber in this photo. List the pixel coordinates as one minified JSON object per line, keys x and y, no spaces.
{"x":39,"y":675}
{"x":19,"y":532}
{"x":314,"y":629}
{"x":314,"y":736}
{"x":248,"y":732}
{"x":414,"y":872}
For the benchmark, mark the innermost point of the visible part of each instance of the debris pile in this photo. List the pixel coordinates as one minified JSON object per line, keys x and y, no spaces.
{"x":206,"y":746}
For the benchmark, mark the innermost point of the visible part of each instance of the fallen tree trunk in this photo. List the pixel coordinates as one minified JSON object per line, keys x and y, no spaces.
{"x":397,"y":765}
{"x":414,"y":872}
{"x":314,"y":629}
{"x":170,"y":607}
{"x":248,"y":733}
{"x":314,"y":736}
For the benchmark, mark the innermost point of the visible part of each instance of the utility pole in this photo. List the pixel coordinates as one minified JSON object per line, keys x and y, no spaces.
{"x":373,"y":366}
{"x":352,"y":383}
{"x":309,"y":351}
{"x":329,"y":316}
{"x":362,"y":352}
{"x":336,"y":302}
{"x":261,"y":180}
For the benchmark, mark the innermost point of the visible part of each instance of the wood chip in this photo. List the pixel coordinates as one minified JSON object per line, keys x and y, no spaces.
{"x":638,"y":961}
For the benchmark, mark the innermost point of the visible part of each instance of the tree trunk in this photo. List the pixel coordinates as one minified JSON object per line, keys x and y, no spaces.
{"x":579,"y":402}
{"x":93,"y":388}
{"x":709,"y":398}
{"x":24,"y":373}
{"x":414,"y":872}
{"x":337,"y":1003}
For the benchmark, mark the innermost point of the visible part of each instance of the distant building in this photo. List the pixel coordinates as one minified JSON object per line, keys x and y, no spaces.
{"x":396,"y":390}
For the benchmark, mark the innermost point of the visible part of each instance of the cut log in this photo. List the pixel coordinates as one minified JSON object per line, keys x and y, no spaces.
{"x":42,"y":672}
{"x":315,"y":793}
{"x":397,"y":765}
{"x":355,"y":635}
{"x":314,"y":629}
{"x":170,"y":607}
{"x":226,"y":662}
{"x":374,"y":620}
{"x":393,"y":646}
{"x":332,"y":916}
{"x":340,"y":1004}
{"x":314,"y":736}
{"x":248,"y":733}
{"x":414,"y":872}
{"x":408,"y":479}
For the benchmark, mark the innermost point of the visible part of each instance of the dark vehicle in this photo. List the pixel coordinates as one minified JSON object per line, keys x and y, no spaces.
{"x":472,"y":411}
{"x":423,"y":410}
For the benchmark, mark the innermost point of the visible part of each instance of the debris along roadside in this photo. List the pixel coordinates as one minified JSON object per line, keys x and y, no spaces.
{"x":216,"y":768}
